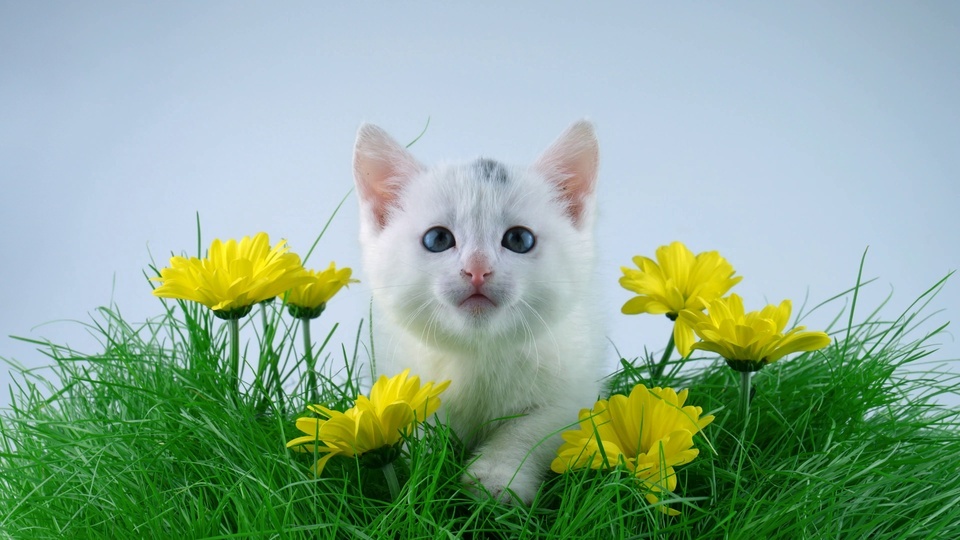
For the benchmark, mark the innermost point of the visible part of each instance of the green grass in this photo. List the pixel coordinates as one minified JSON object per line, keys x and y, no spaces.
{"x":145,"y":440}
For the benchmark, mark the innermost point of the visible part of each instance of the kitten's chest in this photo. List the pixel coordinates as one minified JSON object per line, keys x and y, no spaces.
{"x":485,"y":387}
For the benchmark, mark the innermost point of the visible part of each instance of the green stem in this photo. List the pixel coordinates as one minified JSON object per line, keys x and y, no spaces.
{"x":268,"y":373}
{"x":234,"y":326}
{"x":274,"y":362}
{"x":264,"y":347}
{"x":311,"y":364}
{"x":745,"y":394}
{"x":267,"y":341}
{"x":391,"y":475}
{"x":658,"y":370}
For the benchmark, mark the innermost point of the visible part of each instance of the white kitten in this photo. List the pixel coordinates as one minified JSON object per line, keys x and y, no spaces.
{"x":482,"y":274}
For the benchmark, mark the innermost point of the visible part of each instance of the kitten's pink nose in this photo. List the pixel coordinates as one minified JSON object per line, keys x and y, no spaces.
{"x":477,"y":274}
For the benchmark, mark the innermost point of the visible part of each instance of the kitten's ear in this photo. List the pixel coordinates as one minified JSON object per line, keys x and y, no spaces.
{"x":571,"y":163}
{"x":381,"y":167}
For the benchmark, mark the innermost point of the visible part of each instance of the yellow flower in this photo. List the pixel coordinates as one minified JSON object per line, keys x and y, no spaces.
{"x":405,"y":391}
{"x":648,"y":433}
{"x":749,"y":341}
{"x":308,"y":300}
{"x":379,"y":423}
{"x":678,"y":280}
{"x":234,"y":276}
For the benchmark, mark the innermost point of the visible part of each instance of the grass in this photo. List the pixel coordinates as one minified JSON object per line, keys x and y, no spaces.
{"x":145,"y":440}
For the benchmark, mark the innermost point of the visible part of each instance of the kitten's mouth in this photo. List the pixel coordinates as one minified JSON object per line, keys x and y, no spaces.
{"x":477,"y":303}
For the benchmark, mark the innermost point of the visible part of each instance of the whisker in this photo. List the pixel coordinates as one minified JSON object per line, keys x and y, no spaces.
{"x":549,"y":331}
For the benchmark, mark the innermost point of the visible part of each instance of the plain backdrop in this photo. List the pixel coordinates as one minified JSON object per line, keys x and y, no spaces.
{"x":789,"y":136}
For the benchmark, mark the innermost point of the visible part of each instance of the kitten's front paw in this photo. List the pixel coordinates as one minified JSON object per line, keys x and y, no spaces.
{"x":500,"y":481}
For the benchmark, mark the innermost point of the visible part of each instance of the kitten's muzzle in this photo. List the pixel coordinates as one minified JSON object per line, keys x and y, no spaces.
{"x":477,"y":302}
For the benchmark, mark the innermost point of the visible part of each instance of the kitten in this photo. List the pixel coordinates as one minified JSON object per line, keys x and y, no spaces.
{"x":483,"y":274}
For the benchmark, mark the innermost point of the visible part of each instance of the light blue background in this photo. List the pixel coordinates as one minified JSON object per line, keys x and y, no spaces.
{"x":788,"y":136}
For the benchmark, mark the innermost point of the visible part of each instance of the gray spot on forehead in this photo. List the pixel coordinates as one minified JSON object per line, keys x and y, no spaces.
{"x":490,"y":170}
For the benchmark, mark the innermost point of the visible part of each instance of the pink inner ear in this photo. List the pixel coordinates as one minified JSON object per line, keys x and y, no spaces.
{"x":571,"y":163}
{"x":381,"y":167}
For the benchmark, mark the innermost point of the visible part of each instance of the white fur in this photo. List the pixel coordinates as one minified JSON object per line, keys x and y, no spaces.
{"x":534,"y":359}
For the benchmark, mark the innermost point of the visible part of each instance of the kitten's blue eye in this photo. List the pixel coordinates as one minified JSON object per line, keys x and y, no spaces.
{"x":438,"y":239}
{"x":518,"y":239}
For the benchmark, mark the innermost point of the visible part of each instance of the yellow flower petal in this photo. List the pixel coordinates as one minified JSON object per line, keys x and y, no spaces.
{"x":644,"y":304}
{"x":233,"y":276}
{"x":678,"y":280}
{"x":748,"y":341}
{"x":799,"y":342}
{"x":648,"y":433}
{"x":320,"y":288}
{"x":394,"y":407}
{"x":683,"y":337}
{"x":321,"y":463}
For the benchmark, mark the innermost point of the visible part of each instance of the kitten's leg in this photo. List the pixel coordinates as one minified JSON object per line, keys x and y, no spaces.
{"x":517,"y":454}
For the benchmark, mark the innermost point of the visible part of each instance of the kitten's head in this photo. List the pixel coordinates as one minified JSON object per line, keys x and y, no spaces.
{"x":457,"y":254}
